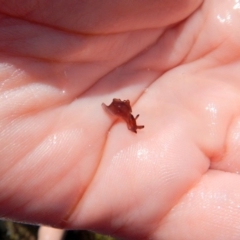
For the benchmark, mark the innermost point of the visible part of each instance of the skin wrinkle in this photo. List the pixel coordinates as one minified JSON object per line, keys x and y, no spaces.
{"x":204,"y":195}
{"x":54,"y":27}
{"x":122,"y":65}
{"x":218,"y":155}
{"x":76,"y":33}
{"x":205,"y":53}
{"x":165,"y":216}
{"x":33,"y":110}
{"x":221,"y":153}
{"x":63,"y":223}
{"x":215,"y":160}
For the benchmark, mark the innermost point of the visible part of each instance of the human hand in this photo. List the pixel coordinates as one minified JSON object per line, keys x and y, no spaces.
{"x":64,"y":162}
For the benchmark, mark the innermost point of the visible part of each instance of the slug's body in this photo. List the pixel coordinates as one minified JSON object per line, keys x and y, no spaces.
{"x":123,"y":109}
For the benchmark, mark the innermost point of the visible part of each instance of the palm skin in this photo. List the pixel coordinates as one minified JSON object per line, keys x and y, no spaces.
{"x":66,"y":163}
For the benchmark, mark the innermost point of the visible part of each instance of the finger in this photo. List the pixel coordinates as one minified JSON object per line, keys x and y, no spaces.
{"x":49,"y":233}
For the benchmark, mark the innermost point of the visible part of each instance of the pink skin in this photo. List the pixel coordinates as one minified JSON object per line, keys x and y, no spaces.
{"x":178,"y":62}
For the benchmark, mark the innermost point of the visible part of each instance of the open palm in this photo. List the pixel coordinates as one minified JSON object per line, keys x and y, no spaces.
{"x":67,"y":163}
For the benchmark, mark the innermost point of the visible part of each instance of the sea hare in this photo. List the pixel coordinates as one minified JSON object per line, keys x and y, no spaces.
{"x":123,"y":110}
